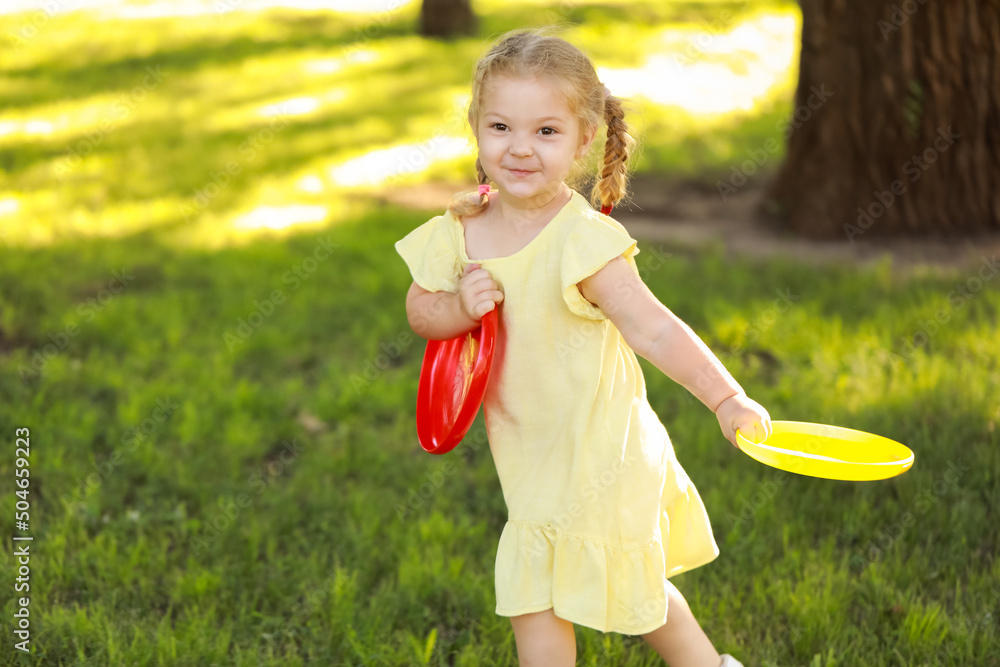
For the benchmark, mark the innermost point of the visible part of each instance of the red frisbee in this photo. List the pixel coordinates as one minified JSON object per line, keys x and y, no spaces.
{"x":452,"y":385}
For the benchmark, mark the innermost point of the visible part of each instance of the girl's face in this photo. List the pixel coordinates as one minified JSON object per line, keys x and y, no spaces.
{"x":528,"y":139}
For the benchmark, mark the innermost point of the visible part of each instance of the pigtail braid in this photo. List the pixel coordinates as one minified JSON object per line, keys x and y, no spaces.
{"x":470,"y":205}
{"x":612,"y":177}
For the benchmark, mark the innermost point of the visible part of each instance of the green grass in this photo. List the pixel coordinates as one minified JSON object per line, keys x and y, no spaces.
{"x":333,"y":556}
{"x":131,"y":152}
{"x":187,"y":507}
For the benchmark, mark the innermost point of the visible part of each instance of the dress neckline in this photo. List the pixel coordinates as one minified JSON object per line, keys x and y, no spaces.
{"x":460,"y":231}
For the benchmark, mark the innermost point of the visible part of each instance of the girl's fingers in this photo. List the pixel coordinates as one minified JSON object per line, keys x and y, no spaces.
{"x":486,"y":289}
{"x":752,"y":431}
{"x":759,"y":432}
{"x":483,"y":278}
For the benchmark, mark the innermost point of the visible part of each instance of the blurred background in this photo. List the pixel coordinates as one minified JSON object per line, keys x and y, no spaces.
{"x":202,"y":322}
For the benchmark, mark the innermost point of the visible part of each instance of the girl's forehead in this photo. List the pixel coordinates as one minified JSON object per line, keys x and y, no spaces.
{"x":524,"y":94}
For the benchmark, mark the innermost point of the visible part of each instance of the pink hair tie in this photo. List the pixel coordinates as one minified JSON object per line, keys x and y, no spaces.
{"x":484,"y":190}
{"x":606,"y":210}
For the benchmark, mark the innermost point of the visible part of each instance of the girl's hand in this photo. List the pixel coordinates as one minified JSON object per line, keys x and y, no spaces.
{"x":478,"y":292}
{"x":749,"y":417}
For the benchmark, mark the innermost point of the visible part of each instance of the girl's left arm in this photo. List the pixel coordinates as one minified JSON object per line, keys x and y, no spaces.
{"x":656,"y":334}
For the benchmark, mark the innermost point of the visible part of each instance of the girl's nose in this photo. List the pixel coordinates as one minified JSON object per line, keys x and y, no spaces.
{"x":520,"y":147}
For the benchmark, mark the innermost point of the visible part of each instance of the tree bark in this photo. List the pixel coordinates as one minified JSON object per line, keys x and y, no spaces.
{"x":446,"y":18}
{"x":896,"y":129}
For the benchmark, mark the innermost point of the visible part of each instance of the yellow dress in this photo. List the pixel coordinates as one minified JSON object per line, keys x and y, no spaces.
{"x":600,"y":512}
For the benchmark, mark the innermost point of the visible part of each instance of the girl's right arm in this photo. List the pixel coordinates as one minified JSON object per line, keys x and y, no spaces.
{"x":445,"y":315}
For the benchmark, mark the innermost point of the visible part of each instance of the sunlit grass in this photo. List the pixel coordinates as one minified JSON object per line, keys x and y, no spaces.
{"x":154,"y":9}
{"x":716,"y":74}
{"x":210,"y":125}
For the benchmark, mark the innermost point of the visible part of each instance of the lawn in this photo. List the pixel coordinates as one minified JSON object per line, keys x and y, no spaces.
{"x":225,"y":468}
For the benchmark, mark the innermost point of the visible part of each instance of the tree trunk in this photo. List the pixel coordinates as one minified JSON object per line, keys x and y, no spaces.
{"x":896,"y":129}
{"x":446,"y":18}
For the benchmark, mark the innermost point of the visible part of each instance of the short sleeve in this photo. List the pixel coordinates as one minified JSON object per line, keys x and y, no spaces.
{"x":431,"y":255}
{"x":595,"y":240}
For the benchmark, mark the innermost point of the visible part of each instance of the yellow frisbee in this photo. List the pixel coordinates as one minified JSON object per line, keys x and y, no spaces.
{"x":830,"y":452}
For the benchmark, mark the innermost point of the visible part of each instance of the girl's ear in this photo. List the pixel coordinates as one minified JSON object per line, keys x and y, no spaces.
{"x":586,"y":139}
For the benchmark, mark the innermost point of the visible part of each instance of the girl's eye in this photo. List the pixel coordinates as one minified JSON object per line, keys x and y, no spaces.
{"x":547,"y":131}
{"x":499,"y":126}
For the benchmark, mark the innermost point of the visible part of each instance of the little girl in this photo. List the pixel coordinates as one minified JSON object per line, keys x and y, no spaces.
{"x":600,"y":512}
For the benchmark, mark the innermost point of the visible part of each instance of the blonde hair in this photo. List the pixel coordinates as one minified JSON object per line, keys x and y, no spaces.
{"x":523,"y":54}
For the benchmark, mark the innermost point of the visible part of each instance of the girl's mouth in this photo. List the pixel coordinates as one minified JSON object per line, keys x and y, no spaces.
{"x":520,"y":172}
